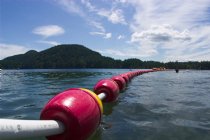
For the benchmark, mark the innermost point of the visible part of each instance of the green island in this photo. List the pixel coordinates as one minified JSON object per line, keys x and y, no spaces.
{"x":78,"y":56}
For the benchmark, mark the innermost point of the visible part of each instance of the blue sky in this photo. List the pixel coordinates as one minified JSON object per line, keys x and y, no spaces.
{"x":160,"y":30}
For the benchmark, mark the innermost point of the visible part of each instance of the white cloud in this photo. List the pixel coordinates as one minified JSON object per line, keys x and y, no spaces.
{"x":88,"y":5}
{"x":98,"y":26}
{"x":180,"y":14}
{"x":102,"y":32}
{"x":184,"y":55}
{"x":104,"y":35}
{"x":131,"y":51}
{"x":53,"y":43}
{"x":11,"y":49}
{"x":121,"y":1}
{"x":71,"y":7}
{"x":179,"y":33}
{"x":120,"y":37}
{"x":161,"y":33}
{"x":108,"y":35}
{"x":96,"y":33}
{"x":112,"y":52}
{"x":115,"y":16}
{"x":172,"y":29}
{"x":196,"y":49}
{"x":126,"y":52}
{"x":48,"y":30}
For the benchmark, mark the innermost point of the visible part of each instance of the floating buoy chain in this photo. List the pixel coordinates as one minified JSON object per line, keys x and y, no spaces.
{"x":73,"y":114}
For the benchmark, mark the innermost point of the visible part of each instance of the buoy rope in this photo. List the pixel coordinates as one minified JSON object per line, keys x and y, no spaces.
{"x":13,"y":129}
{"x":10,"y":128}
{"x":102,"y":96}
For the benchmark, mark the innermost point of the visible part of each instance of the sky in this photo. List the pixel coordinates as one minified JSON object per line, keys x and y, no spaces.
{"x":158,"y":30}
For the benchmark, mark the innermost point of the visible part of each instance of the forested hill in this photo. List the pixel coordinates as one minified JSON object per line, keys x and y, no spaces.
{"x":62,"y":56}
{"x":78,"y":56}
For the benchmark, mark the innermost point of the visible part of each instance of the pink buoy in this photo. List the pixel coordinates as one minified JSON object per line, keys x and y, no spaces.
{"x":78,"y":110}
{"x":140,"y":72}
{"x":133,"y":74}
{"x":129,"y":75}
{"x":126,"y":78}
{"x":109,"y":87}
{"x":120,"y":82}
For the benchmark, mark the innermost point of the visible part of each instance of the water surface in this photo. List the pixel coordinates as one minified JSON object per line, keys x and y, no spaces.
{"x":154,"y":106}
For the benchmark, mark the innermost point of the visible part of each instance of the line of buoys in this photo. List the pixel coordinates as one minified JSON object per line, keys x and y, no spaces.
{"x":81,"y":110}
{"x":78,"y":111}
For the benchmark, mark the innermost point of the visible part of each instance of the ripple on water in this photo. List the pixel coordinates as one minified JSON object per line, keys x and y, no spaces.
{"x":192,"y":103}
{"x":161,"y":108}
{"x":25,"y":106}
{"x":154,"y":106}
{"x":189,"y":123}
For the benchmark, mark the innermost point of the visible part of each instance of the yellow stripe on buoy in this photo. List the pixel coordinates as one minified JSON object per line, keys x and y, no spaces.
{"x":96,"y":97}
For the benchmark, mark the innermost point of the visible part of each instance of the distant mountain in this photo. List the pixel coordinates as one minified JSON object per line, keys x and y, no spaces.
{"x":61,"y":56}
{"x":79,"y":56}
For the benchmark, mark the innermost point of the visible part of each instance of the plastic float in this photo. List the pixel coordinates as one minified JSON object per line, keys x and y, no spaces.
{"x":73,"y":114}
{"x":120,"y":82}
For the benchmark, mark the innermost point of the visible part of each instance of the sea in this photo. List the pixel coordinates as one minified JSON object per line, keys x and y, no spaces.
{"x":162,"y":105}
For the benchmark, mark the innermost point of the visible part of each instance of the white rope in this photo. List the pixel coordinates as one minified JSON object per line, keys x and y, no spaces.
{"x":10,"y":129}
{"x":102,"y":96}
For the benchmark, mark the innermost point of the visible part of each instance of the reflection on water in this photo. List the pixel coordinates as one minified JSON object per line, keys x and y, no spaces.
{"x":109,"y":107}
{"x":154,"y":106}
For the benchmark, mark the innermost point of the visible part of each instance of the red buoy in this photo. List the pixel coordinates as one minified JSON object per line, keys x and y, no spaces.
{"x":126,"y":78}
{"x":129,"y":75}
{"x":78,"y":109}
{"x":120,"y":81}
{"x":109,"y":87}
